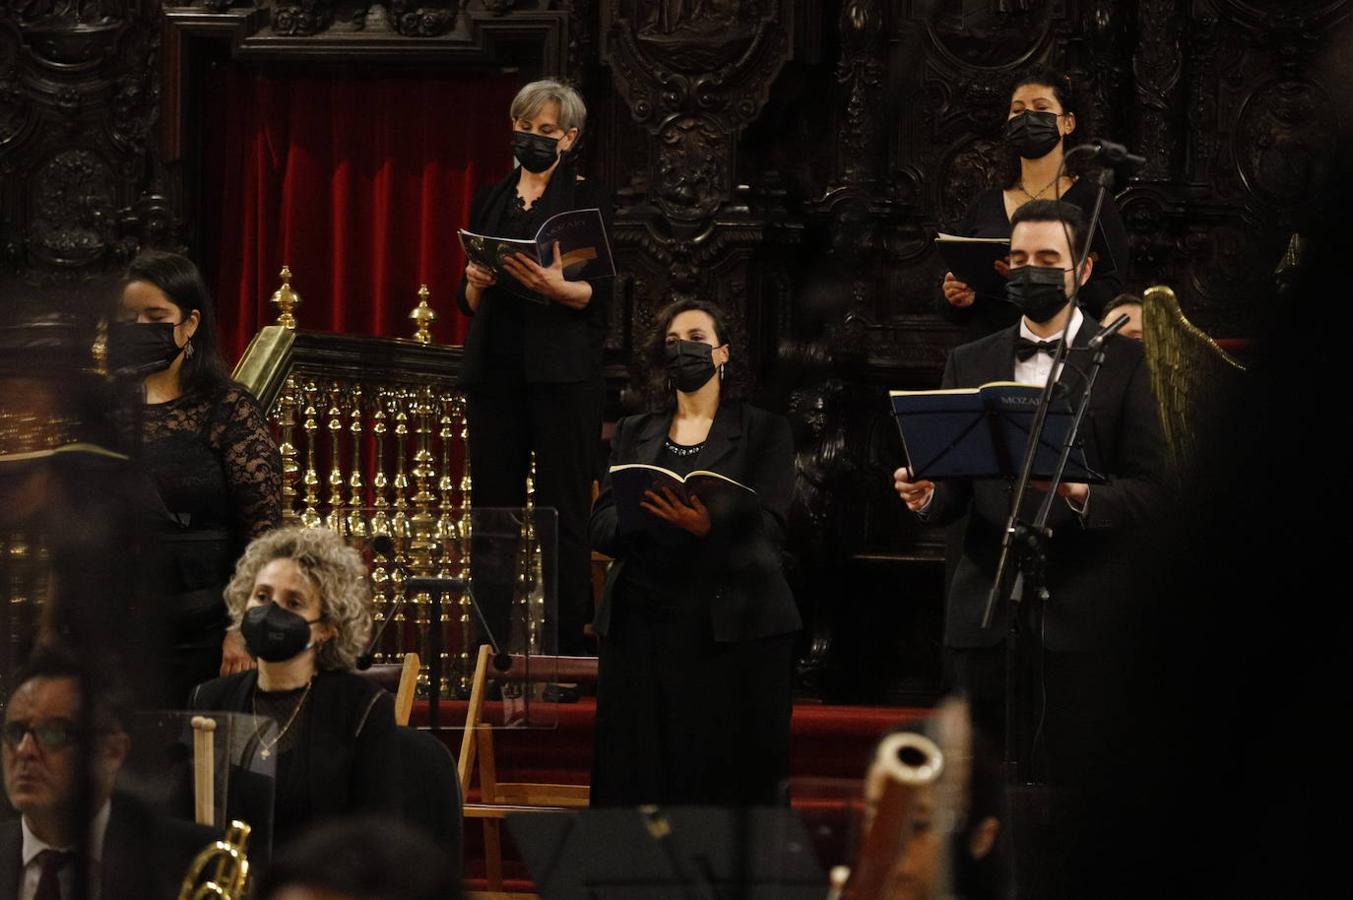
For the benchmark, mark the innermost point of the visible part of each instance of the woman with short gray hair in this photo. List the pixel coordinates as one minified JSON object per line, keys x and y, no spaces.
{"x":532,"y":371}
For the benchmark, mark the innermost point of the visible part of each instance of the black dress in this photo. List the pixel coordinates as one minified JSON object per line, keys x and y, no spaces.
{"x":694,"y":692}
{"x":986,"y":218}
{"x":218,"y":473}
{"x":532,"y":374}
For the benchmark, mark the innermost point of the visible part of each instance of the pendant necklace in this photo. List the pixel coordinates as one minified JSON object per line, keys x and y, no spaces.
{"x":267,"y":747}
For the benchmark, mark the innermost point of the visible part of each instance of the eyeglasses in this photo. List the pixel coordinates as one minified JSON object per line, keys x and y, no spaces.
{"x":48,"y":735}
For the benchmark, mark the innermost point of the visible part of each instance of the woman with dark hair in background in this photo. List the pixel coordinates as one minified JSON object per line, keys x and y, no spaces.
{"x":532,"y":370}
{"x":207,"y":447}
{"x":697,"y":622}
{"x":1040,"y":131}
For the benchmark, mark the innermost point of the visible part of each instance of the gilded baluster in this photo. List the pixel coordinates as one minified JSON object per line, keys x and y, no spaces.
{"x":18,"y":564}
{"x":310,"y":517}
{"x":422,"y":545}
{"x":380,"y":519}
{"x":407,"y":634}
{"x":468,"y":650}
{"x":531,"y":596}
{"x":446,"y":432}
{"x":380,"y":602}
{"x":287,"y":402}
{"x":356,"y":517}
{"x":401,"y":420}
{"x":396,"y":638}
{"x":424,"y":470}
{"x":335,"y":520}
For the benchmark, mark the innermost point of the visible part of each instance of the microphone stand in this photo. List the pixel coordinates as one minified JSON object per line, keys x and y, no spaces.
{"x":435,"y":587}
{"x":1028,"y":541}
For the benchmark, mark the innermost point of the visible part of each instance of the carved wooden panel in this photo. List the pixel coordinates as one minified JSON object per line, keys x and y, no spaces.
{"x":78,"y":102}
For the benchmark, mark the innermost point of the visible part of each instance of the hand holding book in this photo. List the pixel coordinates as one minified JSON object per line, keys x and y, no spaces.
{"x":666,"y":505}
{"x":651,"y":497}
{"x":976,"y":265}
{"x":548,"y":281}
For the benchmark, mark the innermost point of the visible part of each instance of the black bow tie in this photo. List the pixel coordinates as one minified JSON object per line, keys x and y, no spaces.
{"x":1025,"y":348}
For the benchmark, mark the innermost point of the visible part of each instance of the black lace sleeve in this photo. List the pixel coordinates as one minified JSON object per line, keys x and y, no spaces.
{"x":252,"y":464}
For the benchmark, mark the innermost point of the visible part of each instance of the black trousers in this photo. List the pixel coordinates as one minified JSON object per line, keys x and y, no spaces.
{"x":562,"y":424}
{"x":684,"y":720}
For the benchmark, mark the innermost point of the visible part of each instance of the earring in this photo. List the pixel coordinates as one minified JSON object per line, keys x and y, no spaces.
{"x":721,"y":367}
{"x":188,"y":349}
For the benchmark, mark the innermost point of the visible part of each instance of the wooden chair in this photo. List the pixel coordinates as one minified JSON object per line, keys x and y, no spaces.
{"x":400,"y":679}
{"x":498,"y":798}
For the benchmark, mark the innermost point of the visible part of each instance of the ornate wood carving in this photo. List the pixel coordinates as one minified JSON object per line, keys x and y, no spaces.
{"x":693,"y":76}
{"x":78,"y":101}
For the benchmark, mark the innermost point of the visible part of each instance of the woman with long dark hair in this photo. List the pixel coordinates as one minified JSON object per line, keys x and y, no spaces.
{"x":697,"y":623}
{"x":1041,"y":130}
{"x":205,"y":443}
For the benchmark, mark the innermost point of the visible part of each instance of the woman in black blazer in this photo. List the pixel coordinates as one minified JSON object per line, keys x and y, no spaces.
{"x":697,"y":622}
{"x":532,"y":371}
{"x":301,"y":600}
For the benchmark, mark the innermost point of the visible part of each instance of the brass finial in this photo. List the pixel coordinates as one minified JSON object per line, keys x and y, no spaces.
{"x":98,"y":351}
{"x":287,"y":300}
{"x":423,"y":316}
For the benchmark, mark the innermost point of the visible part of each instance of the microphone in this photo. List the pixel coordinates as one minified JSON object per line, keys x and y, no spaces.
{"x":1108,"y":331}
{"x":1113,"y":154}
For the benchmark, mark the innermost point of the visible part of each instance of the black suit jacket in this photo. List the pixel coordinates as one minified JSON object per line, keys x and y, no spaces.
{"x":353,"y":756}
{"x":1090,"y":565}
{"x":740,"y":563}
{"x":145,"y":855}
{"x":561,"y":344}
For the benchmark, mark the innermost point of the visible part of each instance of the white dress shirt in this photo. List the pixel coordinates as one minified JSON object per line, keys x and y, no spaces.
{"x":33,"y":845}
{"x":1035,"y":369}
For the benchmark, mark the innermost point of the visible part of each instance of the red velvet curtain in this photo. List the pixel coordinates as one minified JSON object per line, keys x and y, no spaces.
{"x":358,"y":184}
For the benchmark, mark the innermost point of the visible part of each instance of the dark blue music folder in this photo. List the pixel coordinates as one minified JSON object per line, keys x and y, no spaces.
{"x":983,"y":432}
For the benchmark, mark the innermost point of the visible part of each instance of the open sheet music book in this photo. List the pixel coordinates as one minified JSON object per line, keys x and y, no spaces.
{"x":583,"y":248}
{"x":982,"y":432}
{"x":721,"y":495}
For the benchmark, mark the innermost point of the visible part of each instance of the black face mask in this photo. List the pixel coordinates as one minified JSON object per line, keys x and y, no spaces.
{"x":135,"y":351}
{"x":535,"y":152}
{"x":1033,"y":133}
{"x":274,"y":634}
{"x":690,"y":365}
{"x":1038,"y":291}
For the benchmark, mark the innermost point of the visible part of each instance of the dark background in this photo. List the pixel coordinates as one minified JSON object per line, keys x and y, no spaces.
{"x":789,"y":159}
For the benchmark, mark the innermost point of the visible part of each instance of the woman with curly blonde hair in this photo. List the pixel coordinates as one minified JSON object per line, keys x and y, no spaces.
{"x":302,"y":603}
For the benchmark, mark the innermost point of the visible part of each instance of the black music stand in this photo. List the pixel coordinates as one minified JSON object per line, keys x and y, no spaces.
{"x":653,"y":853}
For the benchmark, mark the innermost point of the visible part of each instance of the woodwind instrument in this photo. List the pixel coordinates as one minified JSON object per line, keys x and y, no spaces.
{"x":229,"y":879}
{"x":905,"y":764}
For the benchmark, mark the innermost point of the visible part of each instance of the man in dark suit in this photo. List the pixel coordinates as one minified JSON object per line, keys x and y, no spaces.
{"x":1090,"y":565}
{"x":132,"y":852}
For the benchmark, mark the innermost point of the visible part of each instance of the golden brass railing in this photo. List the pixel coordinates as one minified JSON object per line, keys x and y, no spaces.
{"x":372,"y":434}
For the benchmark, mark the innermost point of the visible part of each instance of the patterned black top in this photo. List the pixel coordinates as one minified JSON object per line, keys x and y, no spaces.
{"x":219,"y":476}
{"x":215,"y":462}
